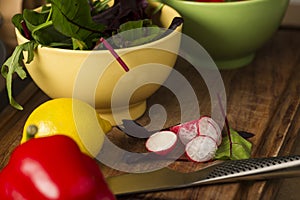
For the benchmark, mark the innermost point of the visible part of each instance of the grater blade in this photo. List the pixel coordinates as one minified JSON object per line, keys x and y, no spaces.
{"x":227,"y":171}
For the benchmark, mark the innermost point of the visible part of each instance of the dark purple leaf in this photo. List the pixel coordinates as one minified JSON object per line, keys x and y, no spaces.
{"x":245,"y":134}
{"x":122,"y":11}
{"x":27,"y":33}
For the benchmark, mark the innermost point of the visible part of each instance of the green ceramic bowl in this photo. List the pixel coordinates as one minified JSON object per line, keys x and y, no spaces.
{"x":231,"y":32}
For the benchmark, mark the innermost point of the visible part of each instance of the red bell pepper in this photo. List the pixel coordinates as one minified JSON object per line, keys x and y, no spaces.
{"x":52,"y":168}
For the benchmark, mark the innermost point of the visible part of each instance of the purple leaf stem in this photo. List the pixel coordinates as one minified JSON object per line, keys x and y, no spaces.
{"x":114,"y":53}
{"x":26,"y":31}
{"x":227,"y":125}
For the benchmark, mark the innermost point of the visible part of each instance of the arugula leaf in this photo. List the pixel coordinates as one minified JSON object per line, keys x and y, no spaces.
{"x":239,"y":149}
{"x":73,"y":19}
{"x":14,"y":64}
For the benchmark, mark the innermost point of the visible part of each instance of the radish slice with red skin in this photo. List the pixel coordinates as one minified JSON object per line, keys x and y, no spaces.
{"x":207,"y":126}
{"x":201,"y":149}
{"x":188,"y":132}
{"x":176,"y":128}
{"x":203,"y":126}
{"x":161,"y":142}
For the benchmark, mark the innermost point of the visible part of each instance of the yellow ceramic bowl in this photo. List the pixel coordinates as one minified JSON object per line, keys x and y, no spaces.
{"x":97,"y":78}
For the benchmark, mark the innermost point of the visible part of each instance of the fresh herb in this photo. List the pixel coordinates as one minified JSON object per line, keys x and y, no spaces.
{"x":73,"y":19}
{"x":234,"y":149}
{"x":233,"y":146}
{"x":121,"y":12}
{"x":127,"y":38}
{"x":14,"y":64}
{"x":78,"y":25}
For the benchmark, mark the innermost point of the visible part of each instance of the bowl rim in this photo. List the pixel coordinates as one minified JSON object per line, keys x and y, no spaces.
{"x":238,"y":2}
{"x":72,"y":51}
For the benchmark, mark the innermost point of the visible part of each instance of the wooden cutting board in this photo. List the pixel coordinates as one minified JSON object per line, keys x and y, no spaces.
{"x":262,"y":98}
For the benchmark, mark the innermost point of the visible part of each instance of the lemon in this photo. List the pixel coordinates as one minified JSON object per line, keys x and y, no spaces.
{"x":70,"y":117}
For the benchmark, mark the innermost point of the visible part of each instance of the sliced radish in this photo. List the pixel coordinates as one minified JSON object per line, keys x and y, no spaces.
{"x":186,"y":131}
{"x":189,"y":132}
{"x":176,"y":128}
{"x":201,"y":138}
{"x":207,"y":126}
{"x":161,"y":142}
{"x":201,"y":149}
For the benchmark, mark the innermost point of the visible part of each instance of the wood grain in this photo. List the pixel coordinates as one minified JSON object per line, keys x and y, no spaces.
{"x":262,"y":98}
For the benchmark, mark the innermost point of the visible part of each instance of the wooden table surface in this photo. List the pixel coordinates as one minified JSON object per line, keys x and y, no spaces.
{"x":262,"y":98}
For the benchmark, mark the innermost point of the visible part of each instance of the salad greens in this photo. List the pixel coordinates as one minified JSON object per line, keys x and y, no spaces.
{"x":235,"y":148}
{"x":78,"y":25}
{"x":14,"y":64}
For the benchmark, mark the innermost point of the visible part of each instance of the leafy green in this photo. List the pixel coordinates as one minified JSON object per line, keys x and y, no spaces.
{"x":99,"y":6}
{"x":132,"y":33}
{"x":237,"y":148}
{"x":72,"y":18}
{"x":233,"y":146}
{"x":34,"y":19}
{"x":72,"y":24}
{"x":42,"y":30}
{"x":16,"y":20}
{"x":14,"y":64}
{"x":78,"y":44}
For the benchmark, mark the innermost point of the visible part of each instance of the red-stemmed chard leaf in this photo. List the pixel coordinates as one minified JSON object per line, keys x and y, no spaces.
{"x":121,"y":12}
{"x":26,"y":31}
{"x":226,"y":124}
{"x":233,"y":146}
{"x":114,"y":53}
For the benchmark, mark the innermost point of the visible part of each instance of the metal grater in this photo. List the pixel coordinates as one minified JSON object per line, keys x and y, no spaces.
{"x":227,"y":171}
{"x":251,"y":168}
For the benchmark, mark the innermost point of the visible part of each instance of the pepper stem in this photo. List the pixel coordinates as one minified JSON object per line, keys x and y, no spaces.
{"x":31,"y":131}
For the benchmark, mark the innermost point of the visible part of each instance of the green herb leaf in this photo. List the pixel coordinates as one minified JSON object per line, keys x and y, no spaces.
{"x":132,"y":33}
{"x":42,"y":29}
{"x":14,"y":64}
{"x":73,"y":19}
{"x":34,"y":19}
{"x":240,"y":148}
{"x":16,"y":20}
{"x":77,"y":44}
{"x":99,"y":6}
